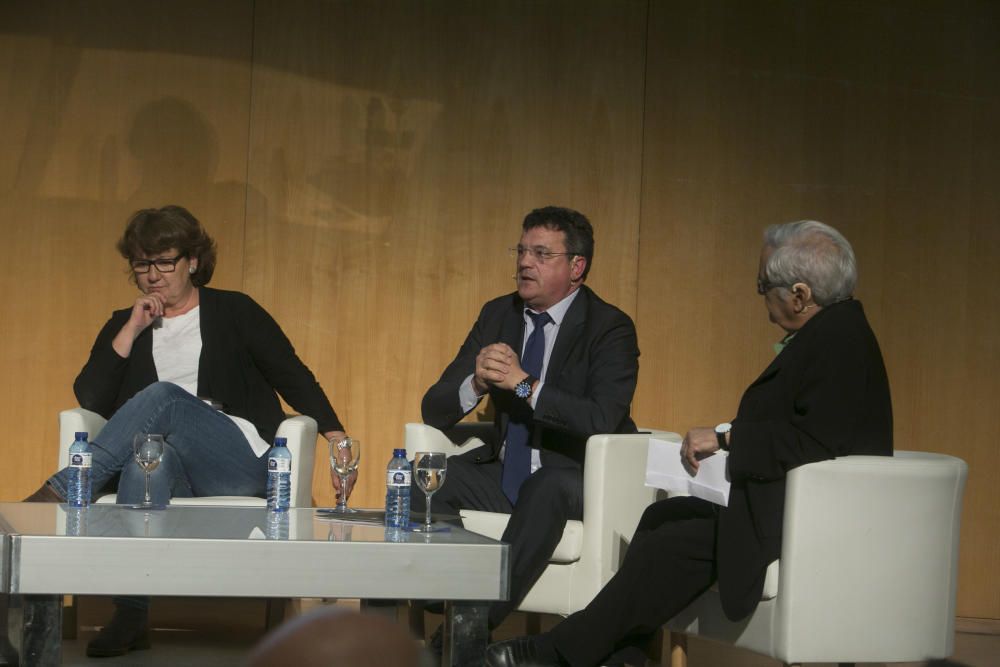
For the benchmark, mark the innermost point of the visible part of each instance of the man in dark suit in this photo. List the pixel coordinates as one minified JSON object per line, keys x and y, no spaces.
{"x":825,"y":395}
{"x":559,"y":365}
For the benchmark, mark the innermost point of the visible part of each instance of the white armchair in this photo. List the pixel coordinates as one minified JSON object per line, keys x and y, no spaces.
{"x":868,"y":566}
{"x":591,"y":550}
{"x":300,"y":431}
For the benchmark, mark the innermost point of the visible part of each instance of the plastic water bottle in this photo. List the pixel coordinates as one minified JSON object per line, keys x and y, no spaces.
{"x":279,"y":476}
{"x":277,"y":525}
{"x":397,"y":490}
{"x":76,"y":520}
{"x":78,"y":493}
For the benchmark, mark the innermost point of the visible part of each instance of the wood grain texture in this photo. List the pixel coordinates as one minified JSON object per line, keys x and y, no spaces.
{"x":396,"y":148}
{"x":874,"y":117}
{"x":364,"y":166}
{"x":106,"y":108}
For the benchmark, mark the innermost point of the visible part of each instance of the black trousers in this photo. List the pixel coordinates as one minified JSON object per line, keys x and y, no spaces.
{"x":669,"y":563}
{"x":546,"y":501}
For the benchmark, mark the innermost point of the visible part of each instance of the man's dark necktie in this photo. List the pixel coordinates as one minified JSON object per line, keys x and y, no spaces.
{"x":517,"y":455}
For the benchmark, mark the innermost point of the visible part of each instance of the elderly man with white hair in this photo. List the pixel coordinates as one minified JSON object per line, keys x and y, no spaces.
{"x":826,"y":394}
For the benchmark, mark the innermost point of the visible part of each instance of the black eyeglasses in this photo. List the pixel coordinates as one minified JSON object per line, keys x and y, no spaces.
{"x":763,"y":286}
{"x":162,"y":264}
{"x":540,"y":255}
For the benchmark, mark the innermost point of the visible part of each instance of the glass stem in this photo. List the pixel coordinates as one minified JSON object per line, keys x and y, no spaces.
{"x":148,"y":501}
{"x":427,"y":516}
{"x":342,"y":500}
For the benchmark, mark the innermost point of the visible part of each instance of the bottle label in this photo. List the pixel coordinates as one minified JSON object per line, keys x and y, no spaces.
{"x":279,"y":465}
{"x":397,"y":478}
{"x":80,"y":459}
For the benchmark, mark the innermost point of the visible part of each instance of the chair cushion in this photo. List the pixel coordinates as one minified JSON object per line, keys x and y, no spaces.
{"x":492,"y":525}
{"x":771,"y":582}
{"x":238,"y":501}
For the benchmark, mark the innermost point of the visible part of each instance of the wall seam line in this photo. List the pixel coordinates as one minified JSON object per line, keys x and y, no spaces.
{"x":246,"y":175}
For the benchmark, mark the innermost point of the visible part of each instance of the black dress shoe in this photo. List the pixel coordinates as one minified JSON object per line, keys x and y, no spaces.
{"x":520,"y":652}
{"x":127,"y":631}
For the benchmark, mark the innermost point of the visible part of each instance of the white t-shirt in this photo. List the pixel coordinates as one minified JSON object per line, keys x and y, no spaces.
{"x":176,"y":353}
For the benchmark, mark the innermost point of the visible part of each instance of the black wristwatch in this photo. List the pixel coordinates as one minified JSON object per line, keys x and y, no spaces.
{"x":721,"y":431}
{"x":523,"y":388}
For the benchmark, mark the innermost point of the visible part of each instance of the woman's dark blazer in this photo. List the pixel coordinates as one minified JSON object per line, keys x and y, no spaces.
{"x":245,"y":358}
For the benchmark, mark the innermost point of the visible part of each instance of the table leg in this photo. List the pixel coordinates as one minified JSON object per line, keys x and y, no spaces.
{"x":34,"y":630}
{"x":466,"y":633}
{"x":8,"y":654}
{"x":385,"y":608}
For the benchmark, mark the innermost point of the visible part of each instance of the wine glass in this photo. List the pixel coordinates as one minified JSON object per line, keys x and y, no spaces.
{"x":429,"y":469}
{"x":345,"y":455}
{"x":148,"y":449}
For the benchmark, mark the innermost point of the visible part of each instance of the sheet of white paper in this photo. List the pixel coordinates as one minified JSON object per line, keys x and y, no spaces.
{"x":664,"y":470}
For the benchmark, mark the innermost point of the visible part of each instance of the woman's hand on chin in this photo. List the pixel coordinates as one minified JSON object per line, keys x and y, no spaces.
{"x":146,"y":309}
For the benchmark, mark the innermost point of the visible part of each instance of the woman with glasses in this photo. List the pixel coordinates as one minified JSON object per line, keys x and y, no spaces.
{"x":201,"y":366}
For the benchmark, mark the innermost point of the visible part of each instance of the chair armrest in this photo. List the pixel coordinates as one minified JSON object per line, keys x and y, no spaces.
{"x":72,"y":421}
{"x":614,"y":495}
{"x":423,"y":438}
{"x":300,"y":432}
{"x":463,"y":432}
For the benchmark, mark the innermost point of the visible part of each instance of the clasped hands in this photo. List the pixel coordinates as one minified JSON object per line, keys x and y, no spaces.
{"x":497,"y":365}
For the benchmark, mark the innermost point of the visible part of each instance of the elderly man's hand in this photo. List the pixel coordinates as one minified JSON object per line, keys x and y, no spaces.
{"x":698,"y":443}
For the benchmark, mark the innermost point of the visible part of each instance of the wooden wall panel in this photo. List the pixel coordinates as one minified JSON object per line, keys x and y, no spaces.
{"x":396,"y":146}
{"x":106,"y":107}
{"x":878,"y":118}
{"x":364,"y":165}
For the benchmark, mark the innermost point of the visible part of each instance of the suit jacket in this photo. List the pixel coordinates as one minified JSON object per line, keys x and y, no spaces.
{"x":825,"y":395}
{"x":245,"y":357}
{"x":589,"y":381}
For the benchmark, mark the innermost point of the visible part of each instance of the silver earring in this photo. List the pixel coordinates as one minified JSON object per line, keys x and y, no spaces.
{"x":192,"y":269}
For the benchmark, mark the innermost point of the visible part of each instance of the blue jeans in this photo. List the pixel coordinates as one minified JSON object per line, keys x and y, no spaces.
{"x":206,"y":454}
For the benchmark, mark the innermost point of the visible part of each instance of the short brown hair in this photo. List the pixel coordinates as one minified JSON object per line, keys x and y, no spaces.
{"x":151,"y":231}
{"x":578,"y":230}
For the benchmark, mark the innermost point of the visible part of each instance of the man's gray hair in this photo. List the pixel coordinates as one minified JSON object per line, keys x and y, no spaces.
{"x":813,"y":253}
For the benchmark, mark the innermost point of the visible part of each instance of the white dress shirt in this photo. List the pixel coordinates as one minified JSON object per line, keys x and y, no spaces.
{"x":467,"y":396}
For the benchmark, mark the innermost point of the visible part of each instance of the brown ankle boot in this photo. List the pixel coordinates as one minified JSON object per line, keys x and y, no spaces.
{"x":44,"y":494}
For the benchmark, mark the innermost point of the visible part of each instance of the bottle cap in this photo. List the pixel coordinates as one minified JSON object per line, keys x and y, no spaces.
{"x":80,"y":435}
{"x":281,"y":442}
{"x":399,"y":451}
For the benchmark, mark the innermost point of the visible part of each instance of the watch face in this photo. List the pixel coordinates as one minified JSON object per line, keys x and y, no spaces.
{"x":522,"y":389}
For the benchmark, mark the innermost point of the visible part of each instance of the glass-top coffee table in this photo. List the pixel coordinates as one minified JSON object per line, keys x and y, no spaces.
{"x":50,"y":550}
